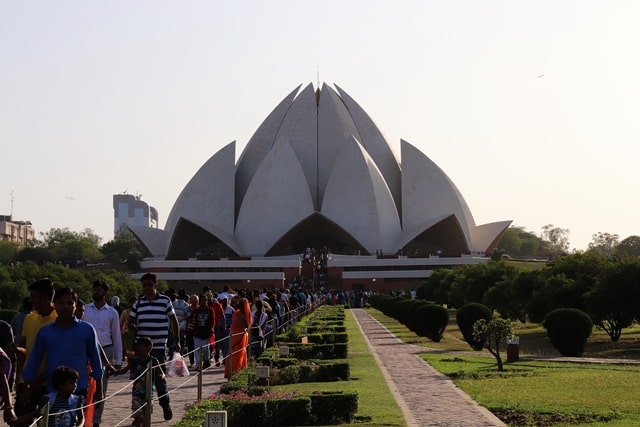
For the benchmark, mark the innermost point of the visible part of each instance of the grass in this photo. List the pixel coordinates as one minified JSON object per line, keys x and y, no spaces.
{"x":542,"y":393}
{"x":529,"y":388}
{"x":376,"y":405}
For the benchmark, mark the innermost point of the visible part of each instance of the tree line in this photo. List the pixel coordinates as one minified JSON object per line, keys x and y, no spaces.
{"x":606,"y":288}
{"x":554,"y":241}
{"x":69,"y":258}
{"x":72,"y":248}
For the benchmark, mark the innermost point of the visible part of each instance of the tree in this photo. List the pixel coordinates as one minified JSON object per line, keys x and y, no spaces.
{"x":603,"y":243}
{"x":546,"y":292}
{"x":613,"y":303}
{"x":492,"y":334}
{"x":557,"y":237}
{"x":8,"y":251}
{"x":628,"y":247}
{"x":438,"y":286}
{"x":510,"y":296}
{"x":124,"y":247}
{"x":473,"y":281}
{"x":69,"y":246}
{"x":520,"y":243}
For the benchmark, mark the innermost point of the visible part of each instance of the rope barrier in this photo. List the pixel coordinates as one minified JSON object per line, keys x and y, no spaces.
{"x":291,"y":316}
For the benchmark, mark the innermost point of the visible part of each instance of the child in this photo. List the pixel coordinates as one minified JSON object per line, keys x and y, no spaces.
{"x":137,"y":366}
{"x":66,"y":407}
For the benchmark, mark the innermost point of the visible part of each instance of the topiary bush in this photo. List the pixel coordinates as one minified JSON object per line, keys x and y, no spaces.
{"x":568,"y":330}
{"x":433,"y":320}
{"x":468,"y":315}
{"x":295,"y":411}
{"x":333,"y":407}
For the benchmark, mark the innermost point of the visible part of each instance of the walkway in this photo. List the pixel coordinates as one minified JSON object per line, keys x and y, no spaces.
{"x":183,"y":391}
{"x":426,"y":397}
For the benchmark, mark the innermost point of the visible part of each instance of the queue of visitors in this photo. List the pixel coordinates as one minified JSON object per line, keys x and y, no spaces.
{"x":66,"y":350}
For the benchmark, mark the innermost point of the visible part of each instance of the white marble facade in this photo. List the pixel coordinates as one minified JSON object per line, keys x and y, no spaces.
{"x":319,"y":168}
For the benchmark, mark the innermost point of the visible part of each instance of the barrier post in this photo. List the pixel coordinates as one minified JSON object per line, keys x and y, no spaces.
{"x":148,"y":391}
{"x":248,"y":348}
{"x":199,"y":368}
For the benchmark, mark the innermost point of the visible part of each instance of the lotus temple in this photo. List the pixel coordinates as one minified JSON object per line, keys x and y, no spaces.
{"x":317,"y":196}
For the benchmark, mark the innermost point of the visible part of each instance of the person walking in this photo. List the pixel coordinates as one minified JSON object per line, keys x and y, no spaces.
{"x":137,"y":367}
{"x":223,"y":339}
{"x":240,"y":323}
{"x":181,"y":307}
{"x":18,"y":319}
{"x":66,"y":342}
{"x":150,"y":316}
{"x":41,"y":295}
{"x":65,"y":410}
{"x":105,"y":320}
{"x":204,"y":325}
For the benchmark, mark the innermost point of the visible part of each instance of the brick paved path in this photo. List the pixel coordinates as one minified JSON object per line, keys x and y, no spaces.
{"x":183,"y":391}
{"x":426,"y":397}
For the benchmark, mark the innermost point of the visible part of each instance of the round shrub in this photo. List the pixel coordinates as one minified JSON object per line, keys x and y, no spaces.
{"x":433,"y":321}
{"x":402,"y":310}
{"x":468,"y":315}
{"x":568,"y":330}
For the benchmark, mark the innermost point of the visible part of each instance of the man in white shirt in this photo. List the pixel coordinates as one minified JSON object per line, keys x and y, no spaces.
{"x":106,"y":322}
{"x":226,"y":294}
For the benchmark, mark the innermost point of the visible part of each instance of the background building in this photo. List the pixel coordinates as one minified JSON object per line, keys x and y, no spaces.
{"x":15,"y":231}
{"x":133,"y":211}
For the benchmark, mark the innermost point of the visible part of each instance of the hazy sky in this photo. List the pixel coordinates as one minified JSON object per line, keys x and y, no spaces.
{"x":531,"y":108}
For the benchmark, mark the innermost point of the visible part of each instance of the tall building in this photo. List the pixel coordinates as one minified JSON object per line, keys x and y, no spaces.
{"x":15,"y":231}
{"x":132,"y":211}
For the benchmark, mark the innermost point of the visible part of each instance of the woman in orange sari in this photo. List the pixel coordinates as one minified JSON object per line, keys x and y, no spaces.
{"x":240,"y":323}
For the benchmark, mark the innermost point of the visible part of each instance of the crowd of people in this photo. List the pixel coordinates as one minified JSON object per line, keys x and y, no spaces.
{"x":58,"y":352}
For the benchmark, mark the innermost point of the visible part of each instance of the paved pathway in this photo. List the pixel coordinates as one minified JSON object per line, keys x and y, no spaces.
{"x":426,"y":397}
{"x":183,"y":391}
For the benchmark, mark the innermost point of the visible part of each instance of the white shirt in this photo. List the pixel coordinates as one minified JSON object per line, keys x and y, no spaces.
{"x":106,"y":321}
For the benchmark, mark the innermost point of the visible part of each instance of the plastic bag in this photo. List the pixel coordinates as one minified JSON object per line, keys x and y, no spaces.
{"x":176,"y":366}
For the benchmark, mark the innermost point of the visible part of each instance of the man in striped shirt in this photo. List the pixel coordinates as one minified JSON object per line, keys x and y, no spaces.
{"x":151,"y":315}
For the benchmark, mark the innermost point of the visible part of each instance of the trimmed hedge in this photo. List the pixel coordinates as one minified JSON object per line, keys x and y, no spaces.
{"x":430,"y":321}
{"x":422,"y":317}
{"x":568,"y":330}
{"x":316,"y":409}
{"x":468,"y":315}
{"x":333,"y":407}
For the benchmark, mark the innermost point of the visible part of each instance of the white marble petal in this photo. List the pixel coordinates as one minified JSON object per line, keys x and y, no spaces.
{"x":358,"y":199}
{"x":153,"y":239}
{"x":259,"y":145}
{"x":376,"y":145}
{"x":484,"y":238}
{"x":300,"y":130}
{"x":208,"y":197}
{"x":277,"y":199}
{"x":427,"y":192}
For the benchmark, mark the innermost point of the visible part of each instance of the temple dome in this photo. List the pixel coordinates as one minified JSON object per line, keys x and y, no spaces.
{"x":318,"y":172}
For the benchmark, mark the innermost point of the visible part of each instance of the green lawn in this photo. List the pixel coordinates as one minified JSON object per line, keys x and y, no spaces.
{"x":569,"y":390}
{"x":376,"y":405}
{"x":542,"y":393}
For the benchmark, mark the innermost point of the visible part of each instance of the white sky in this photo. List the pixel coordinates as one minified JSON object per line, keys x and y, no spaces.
{"x":101,"y":97}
